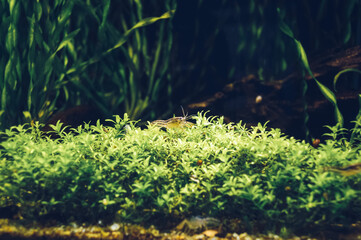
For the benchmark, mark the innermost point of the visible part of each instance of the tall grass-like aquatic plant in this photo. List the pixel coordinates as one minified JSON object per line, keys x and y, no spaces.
{"x":47,"y":47}
{"x":157,"y":176}
{"x":38,"y":44}
{"x":130,"y":68}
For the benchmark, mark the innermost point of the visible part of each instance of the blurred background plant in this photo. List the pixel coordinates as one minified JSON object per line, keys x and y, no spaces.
{"x":243,"y":37}
{"x":57,"y":54}
{"x":135,"y":56}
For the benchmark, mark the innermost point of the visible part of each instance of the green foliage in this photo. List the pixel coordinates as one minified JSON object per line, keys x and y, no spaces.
{"x":48,"y":46}
{"x":341,"y":36}
{"x":303,"y":59}
{"x":128,"y":174}
{"x":358,"y":117}
{"x":324,"y":90}
{"x":130,"y":67}
{"x":337,"y":76}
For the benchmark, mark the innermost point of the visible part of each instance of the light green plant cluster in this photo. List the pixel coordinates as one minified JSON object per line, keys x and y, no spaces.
{"x":154,"y":176}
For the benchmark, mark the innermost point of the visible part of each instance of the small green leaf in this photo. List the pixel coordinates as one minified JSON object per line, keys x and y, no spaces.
{"x":11,"y":6}
{"x":348,"y":32}
{"x":27,"y":116}
{"x":8,"y":71}
{"x":38,"y":10}
{"x":105,"y":13}
{"x":337,"y":76}
{"x":3,"y":98}
{"x":141,"y":23}
{"x":286,"y":30}
{"x":67,"y":40}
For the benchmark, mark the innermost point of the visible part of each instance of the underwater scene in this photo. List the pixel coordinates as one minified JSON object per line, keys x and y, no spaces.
{"x":180,"y":119}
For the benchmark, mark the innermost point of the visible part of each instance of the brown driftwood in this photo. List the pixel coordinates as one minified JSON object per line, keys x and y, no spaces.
{"x":331,"y":62}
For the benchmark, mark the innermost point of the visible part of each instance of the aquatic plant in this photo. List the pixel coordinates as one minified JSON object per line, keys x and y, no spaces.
{"x":47,"y":48}
{"x":124,"y":173}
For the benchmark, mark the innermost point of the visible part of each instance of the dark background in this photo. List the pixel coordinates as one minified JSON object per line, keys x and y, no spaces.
{"x":265,"y":64}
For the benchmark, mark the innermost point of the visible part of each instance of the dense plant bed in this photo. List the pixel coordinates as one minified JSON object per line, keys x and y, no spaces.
{"x":155,"y":176}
